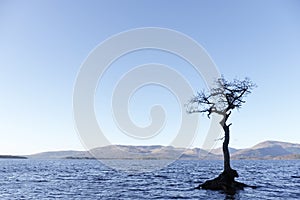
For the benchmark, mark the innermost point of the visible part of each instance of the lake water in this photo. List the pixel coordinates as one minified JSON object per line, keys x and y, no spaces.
{"x":89,"y":179}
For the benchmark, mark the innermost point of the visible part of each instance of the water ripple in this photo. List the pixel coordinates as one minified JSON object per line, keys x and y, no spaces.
{"x":89,"y":179}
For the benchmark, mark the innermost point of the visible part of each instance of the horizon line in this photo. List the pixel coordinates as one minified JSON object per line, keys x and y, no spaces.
{"x":131,"y":145}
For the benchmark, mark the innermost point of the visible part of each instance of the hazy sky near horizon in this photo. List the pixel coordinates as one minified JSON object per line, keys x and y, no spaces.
{"x":44,"y":43}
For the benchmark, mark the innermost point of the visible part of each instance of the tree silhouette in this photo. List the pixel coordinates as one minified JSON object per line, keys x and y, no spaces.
{"x":224,"y":97}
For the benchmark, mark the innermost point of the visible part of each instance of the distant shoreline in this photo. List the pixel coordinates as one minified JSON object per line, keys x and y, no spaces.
{"x":12,"y":157}
{"x":154,"y":159}
{"x":267,"y":150}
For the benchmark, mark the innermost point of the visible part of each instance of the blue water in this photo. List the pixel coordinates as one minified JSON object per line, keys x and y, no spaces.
{"x":89,"y":179}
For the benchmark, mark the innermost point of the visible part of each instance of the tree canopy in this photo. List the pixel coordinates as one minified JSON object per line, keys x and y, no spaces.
{"x":222,"y":98}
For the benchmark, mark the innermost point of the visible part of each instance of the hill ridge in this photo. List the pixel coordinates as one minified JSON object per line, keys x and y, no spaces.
{"x":269,"y":149}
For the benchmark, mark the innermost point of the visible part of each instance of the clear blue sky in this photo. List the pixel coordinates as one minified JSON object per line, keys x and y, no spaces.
{"x":43,"y":44}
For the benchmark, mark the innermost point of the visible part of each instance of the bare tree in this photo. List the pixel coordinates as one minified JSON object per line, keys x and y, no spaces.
{"x":222,"y":99}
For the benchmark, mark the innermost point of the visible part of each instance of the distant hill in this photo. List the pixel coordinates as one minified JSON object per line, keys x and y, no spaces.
{"x":219,"y":151}
{"x":269,"y":150}
{"x":129,"y":152}
{"x":60,"y":154}
{"x":264,"y":150}
{"x":261,"y":153}
{"x":290,"y":147}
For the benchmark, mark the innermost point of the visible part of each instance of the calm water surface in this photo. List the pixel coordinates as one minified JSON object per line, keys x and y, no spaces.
{"x":89,"y":179}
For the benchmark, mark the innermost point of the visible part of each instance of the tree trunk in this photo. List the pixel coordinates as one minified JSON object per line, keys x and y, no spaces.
{"x":227,"y":167}
{"x":226,"y":154}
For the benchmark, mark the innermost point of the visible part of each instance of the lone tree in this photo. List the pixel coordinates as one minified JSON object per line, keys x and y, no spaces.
{"x":221,"y":99}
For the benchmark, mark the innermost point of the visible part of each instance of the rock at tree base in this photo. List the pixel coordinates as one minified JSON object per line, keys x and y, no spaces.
{"x":225,"y":182}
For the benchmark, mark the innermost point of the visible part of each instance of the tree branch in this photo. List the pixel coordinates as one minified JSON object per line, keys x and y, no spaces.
{"x":221,"y":99}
